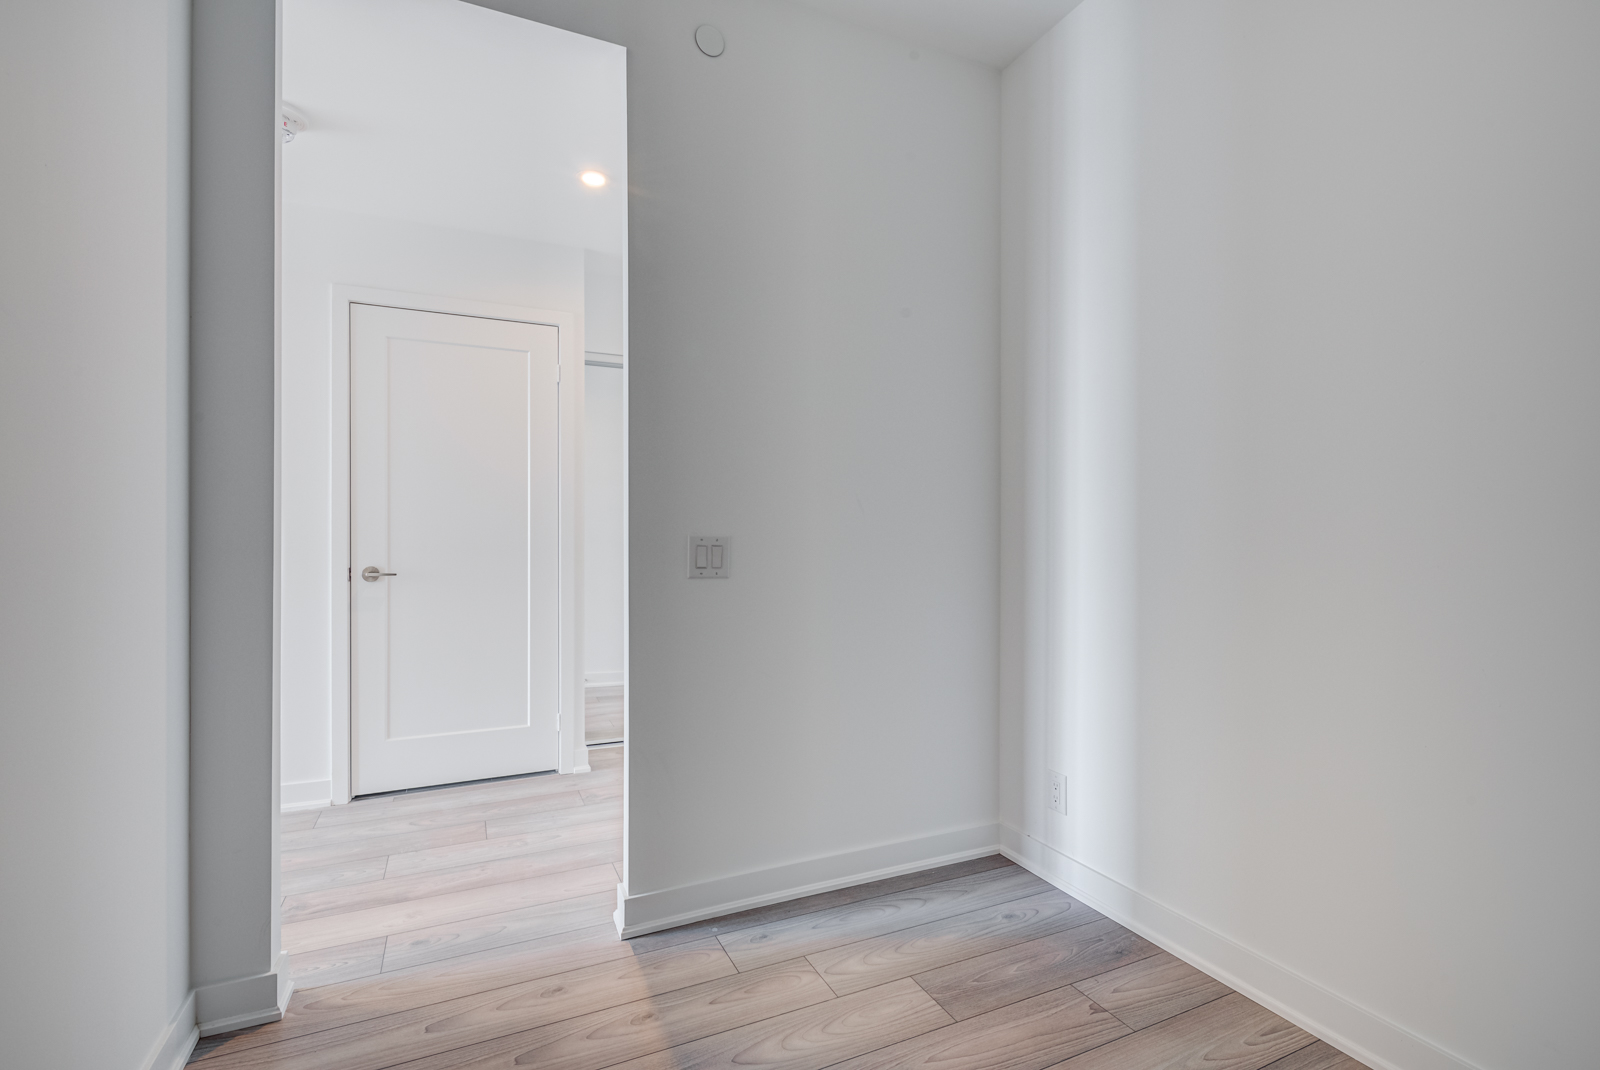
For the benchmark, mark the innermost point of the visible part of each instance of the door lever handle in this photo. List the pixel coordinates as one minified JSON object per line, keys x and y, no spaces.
{"x":371,"y":573}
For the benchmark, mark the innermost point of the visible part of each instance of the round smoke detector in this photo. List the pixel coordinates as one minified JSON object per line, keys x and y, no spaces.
{"x":710,"y":40}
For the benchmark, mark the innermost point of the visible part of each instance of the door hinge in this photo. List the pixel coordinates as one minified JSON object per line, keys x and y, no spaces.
{"x":349,"y":573}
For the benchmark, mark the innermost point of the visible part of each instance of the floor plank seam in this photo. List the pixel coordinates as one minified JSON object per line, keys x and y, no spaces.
{"x":1197,"y":1006}
{"x":1310,"y":1040}
{"x":892,"y":1043}
{"x":1131,"y":1030}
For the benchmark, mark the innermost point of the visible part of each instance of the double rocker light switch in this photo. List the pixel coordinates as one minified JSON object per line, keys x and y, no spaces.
{"x":709,"y":556}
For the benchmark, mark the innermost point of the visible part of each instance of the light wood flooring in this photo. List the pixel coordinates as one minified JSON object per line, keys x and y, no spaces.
{"x":470,"y":927}
{"x":603,"y":714}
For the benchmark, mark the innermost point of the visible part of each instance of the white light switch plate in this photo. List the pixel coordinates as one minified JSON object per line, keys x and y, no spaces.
{"x":710,"y":557}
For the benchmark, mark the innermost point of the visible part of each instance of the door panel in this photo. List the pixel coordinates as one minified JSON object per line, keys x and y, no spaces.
{"x":453,"y":490}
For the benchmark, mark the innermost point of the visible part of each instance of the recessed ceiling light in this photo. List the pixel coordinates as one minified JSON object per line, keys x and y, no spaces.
{"x":593,"y":179}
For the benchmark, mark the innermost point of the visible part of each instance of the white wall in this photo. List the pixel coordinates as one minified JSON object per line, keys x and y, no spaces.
{"x":1301,"y":503}
{"x":813,"y":371}
{"x":604,"y":301}
{"x":605,"y":468}
{"x":93,"y":477}
{"x":321,"y":247}
{"x":605,"y":472}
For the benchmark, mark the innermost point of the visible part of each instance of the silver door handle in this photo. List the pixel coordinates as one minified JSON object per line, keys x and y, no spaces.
{"x":371,"y":573}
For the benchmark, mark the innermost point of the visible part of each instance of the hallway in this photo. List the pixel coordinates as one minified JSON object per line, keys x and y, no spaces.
{"x":392,"y":882}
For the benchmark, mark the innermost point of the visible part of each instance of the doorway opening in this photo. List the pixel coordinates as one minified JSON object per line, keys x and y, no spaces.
{"x":453,"y":394}
{"x":461,"y":521}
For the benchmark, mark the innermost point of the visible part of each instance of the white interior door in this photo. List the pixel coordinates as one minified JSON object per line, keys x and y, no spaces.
{"x":455,"y":641}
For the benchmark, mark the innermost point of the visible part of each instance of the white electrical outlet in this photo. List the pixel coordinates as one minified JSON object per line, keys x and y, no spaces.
{"x":1058,"y":792}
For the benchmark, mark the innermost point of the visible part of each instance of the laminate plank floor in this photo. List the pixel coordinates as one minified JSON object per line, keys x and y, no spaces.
{"x":602,"y":721}
{"x":470,"y":927}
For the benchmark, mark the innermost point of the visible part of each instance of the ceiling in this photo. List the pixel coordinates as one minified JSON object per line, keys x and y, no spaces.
{"x":461,"y":116}
{"x":439,"y":112}
{"x":989,"y":31}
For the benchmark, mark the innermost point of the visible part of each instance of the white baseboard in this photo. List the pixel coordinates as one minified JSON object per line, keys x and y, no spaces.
{"x":1355,"y":1030}
{"x":602,"y":679}
{"x":305,"y":795}
{"x":650,"y":912}
{"x":244,"y":1001}
{"x":177,"y":1041}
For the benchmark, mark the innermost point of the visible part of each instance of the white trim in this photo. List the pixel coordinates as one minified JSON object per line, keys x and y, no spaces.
{"x":240,"y":1021}
{"x":304,"y":795}
{"x":1358,"y":1031}
{"x":603,"y":679}
{"x":244,"y":1001}
{"x":177,"y":1041}
{"x":569,"y":327}
{"x":652,"y":911}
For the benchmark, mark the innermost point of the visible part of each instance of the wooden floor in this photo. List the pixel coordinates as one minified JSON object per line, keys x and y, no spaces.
{"x":470,"y":927}
{"x":603,"y":714}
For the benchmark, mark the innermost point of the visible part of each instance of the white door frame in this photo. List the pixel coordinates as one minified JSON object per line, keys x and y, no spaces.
{"x":574,"y":756}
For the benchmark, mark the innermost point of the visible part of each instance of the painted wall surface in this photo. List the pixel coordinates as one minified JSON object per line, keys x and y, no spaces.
{"x":93,"y":571}
{"x":604,"y":299}
{"x":605,"y":471}
{"x":239,"y":974}
{"x":813,"y":370}
{"x":605,"y":467}
{"x":1301,"y":510}
{"x":321,"y":247}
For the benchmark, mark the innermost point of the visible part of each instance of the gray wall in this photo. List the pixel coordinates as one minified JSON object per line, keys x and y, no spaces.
{"x":1303,"y":363}
{"x":234,"y":754}
{"x":814,"y":372}
{"x":93,"y":501}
